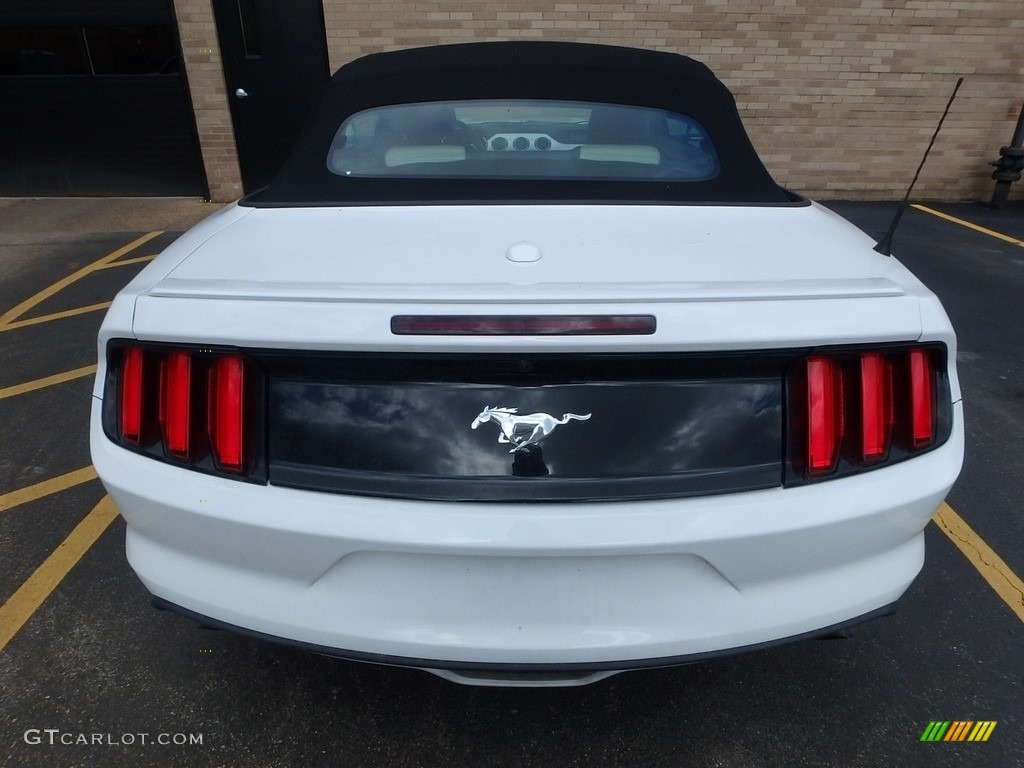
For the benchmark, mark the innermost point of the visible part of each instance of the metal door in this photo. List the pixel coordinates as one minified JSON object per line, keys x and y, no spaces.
{"x":275,"y":66}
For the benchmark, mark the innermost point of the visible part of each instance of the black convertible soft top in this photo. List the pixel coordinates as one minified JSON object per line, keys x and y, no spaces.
{"x":576,"y":72}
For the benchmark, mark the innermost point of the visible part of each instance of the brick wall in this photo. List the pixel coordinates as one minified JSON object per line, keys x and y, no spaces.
{"x":209,"y":97}
{"x":839,"y":96}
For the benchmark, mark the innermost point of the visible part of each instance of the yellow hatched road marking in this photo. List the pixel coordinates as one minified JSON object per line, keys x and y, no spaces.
{"x":55,"y":316}
{"x":16,"y":312}
{"x":49,"y":381}
{"x":46,"y":488}
{"x":993,"y":568}
{"x":41,"y":584}
{"x":125,"y":262}
{"x":48,"y":576}
{"x":969,"y":225}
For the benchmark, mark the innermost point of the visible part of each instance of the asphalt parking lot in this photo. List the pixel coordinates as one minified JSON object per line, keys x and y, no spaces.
{"x":91,"y":675}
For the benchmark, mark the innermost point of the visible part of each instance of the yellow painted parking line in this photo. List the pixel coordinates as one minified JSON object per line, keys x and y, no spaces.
{"x":55,"y":316}
{"x":29,"y":493}
{"x":48,"y":381}
{"x":969,"y":225}
{"x":993,"y":569}
{"x":123,"y":262}
{"x":48,"y":576}
{"x":15,"y":312}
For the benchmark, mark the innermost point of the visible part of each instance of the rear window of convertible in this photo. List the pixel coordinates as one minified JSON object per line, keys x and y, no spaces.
{"x":522,"y":139}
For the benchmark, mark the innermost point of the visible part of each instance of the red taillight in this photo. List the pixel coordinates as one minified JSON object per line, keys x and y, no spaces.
{"x":225,"y":412}
{"x":131,"y":395}
{"x":922,"y":409}
{"x":188,"y":406}
{"x":824,"y":414}
{"x":876,"y":405}
{"x":175,"y":402}
{"x":854,"y":410}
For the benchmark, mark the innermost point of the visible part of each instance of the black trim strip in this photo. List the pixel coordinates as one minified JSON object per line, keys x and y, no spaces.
{"x":632,"y":449}
{"x":252,"y":200}
{"x":476,"y":666}
{"x":522,"y":489}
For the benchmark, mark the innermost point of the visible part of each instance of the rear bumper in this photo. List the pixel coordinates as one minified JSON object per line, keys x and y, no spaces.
{"x":583,"y":586}
{"x":522,"y":675}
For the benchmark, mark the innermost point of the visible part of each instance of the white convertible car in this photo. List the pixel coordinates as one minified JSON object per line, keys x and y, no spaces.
{"x":524,"y":371}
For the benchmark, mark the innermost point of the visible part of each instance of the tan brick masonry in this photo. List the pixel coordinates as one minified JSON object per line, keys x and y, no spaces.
{"x":840,"y":97}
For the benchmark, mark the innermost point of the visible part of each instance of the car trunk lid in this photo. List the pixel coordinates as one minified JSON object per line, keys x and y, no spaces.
{"x":716,"y":277}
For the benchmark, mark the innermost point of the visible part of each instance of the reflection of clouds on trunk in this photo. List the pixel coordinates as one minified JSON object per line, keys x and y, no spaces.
{"x":641,"y":429}
{"x":725,"y":425}
{"x":341,"y":406}
{"x":466,"y":458}
{"x":393,"y":428}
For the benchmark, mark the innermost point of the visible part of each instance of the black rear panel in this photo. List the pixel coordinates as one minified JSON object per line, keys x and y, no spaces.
{"x":598,"y":427}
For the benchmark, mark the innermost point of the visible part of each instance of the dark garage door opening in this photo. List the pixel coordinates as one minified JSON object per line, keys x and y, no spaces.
{"x":95,"y":102}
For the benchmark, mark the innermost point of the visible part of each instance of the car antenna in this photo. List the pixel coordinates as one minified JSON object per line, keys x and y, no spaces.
{"x":884,"y":246}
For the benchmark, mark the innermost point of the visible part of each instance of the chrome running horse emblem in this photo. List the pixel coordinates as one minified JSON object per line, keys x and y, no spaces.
{"x":523,"y":431}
